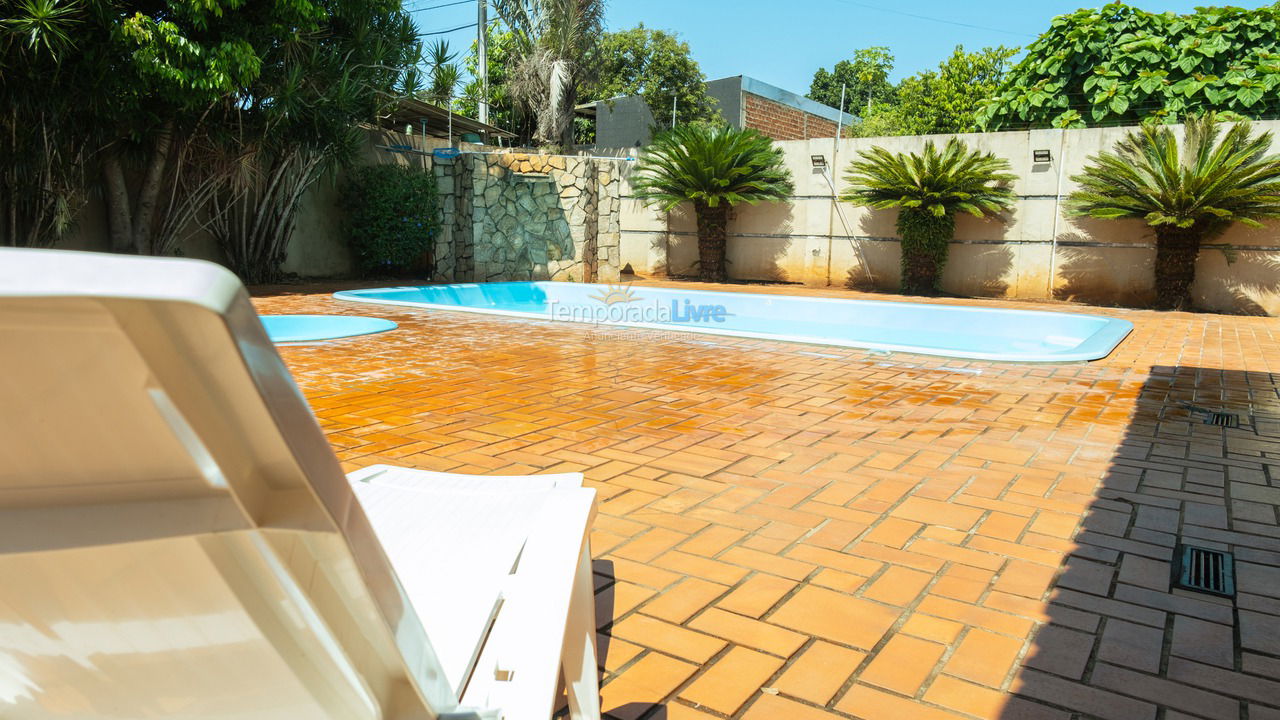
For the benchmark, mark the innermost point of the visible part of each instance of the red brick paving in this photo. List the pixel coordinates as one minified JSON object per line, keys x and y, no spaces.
{"x":793,"y":531}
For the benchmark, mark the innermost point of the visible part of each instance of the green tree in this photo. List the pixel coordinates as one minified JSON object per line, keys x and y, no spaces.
{"x":946,"y":100}
{"x":715,"y":168}
{"x":555,"y":46}
{"x":1119,"y":65}
{"x":168,"y":65}
{"x":298,"y":120}
{"x":1185,"y":194}
{"x":47,"y":139}
{"x":865,"y":79}
{"x":656,"y":65}
{"x":928,"y":190}
{"x":504,"y":111}
{"x":443,"y":75}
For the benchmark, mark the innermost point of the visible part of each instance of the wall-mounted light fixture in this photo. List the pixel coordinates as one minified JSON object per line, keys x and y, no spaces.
{"x":819,"y":161}
{"x":1042,"y":156}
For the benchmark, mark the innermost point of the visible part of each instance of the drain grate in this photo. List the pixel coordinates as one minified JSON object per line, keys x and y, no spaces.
{"x":1203,"y":570}
{"x":1213,"y":417}
{"x":1222,"y":419}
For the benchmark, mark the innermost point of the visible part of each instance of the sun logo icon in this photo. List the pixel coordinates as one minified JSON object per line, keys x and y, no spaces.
{"x":614,"y":294}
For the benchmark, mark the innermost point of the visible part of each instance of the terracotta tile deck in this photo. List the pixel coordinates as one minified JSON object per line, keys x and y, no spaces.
{"x":807,"y":532}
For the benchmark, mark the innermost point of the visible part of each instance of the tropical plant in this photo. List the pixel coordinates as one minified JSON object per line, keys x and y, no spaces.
{"x":863,"y":81}
{"x":443,"y":74}
{"x":657,"y":66}
{"x":167,"y":67}
{"x":555,"y":44}
{"x":928,"y":190}
{"x":1185,"y":194}
{"x":504,"y":111}
{"x":1118,"y":65}
{"x":715,"y":168}
{"x":945,"y":100}
{"x":298,"y":121}
{"x":393,"y":212}
{"x":47,"y":138}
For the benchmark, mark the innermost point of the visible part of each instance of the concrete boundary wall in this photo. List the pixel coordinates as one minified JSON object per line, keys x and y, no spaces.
{"x":1038,"y":253}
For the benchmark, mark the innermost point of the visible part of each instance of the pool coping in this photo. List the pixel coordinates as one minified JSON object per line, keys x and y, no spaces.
{"x":1095,"y":347}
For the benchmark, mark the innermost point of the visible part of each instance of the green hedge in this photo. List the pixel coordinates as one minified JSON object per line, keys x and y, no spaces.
{"x":925,"y":237}
{"x":393,"y":213}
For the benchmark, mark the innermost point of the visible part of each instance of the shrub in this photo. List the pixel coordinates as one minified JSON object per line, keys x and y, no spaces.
{"x":715,"y":168}
{"x":393,"y":213}
{"x":928,"y":190}
{"x":1187,"y":193}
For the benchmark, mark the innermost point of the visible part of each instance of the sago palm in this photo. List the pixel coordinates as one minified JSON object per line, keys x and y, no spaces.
{"x":1186,"y":195}
{"x":929,"y":189}
{"x":715,"y":168}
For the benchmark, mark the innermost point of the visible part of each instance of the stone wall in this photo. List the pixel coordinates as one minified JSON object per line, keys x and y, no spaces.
{"x":515,"y":216}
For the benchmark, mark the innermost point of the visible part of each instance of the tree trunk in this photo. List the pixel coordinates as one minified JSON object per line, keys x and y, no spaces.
{"x":149,"y":191}
{"x":713,"y":227}
{"x":119,"y":218}
{"x":1176,"y":252}
{"x":924,"y":249}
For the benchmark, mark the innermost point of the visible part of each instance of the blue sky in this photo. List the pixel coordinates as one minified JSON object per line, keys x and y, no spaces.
{"x":783,"y":41}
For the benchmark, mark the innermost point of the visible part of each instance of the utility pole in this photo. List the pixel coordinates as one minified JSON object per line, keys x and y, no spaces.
{"x":482,"y":56}
{"x":675,"y":105}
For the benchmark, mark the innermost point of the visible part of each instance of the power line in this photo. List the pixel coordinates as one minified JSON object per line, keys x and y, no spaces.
{"x":437,"y":7}
{"x":445,"y":32}
{"x":935,"y":19}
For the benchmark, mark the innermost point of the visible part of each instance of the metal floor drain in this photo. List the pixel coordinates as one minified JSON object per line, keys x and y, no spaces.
{"x":1222,"y":419}
{"x":1204,"y":570}
{"x":1213,"y":417}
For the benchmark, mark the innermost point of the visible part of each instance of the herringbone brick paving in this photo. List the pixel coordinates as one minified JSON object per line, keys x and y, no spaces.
{"x":799,"y":531}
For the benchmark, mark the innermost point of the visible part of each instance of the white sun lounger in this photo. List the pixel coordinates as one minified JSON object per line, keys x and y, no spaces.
{"x":177,"y":539}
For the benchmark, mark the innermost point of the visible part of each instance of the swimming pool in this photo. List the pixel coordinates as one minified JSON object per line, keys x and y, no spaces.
{"x":313,"y":328}
{"x":976,"y":333}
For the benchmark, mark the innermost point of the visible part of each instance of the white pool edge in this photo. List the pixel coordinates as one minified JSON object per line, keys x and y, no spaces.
{"x":1095,"y":347}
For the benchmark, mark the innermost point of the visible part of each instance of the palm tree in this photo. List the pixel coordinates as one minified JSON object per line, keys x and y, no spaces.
{"x":1185,"y":195}
{"x":929,"y":190}
{"x":443,"y":74}
{"x":555,"y":44}
{"x":715,"y":168}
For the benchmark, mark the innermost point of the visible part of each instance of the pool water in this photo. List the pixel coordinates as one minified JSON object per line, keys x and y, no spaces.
{"x":313,"y":328}
{"x":978,"y":333}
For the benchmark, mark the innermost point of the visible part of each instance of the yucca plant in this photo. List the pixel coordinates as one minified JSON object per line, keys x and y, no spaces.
{"x":1186,"y":195}
{"x":928,"y":190}
{"x":715,"y":168}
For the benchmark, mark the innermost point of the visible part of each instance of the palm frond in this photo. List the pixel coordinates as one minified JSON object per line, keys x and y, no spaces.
{"x":1213,"y":178}
{"x":713,"y":165}
{"x":943,"y":182}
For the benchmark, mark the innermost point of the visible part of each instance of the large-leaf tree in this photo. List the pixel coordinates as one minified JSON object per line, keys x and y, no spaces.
{"x":928,"y":189}
{"x":1186,"y":193}
{"x":715,"y":168}
{"x":1118,"y":65}
{"x":945,"y":100}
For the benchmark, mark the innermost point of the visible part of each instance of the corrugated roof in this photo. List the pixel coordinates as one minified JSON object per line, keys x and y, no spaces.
{"x":418,"y":115}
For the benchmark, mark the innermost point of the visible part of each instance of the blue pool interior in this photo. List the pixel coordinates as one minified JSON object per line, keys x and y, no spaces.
{"x":313,"y":328}
{"x":979,"y":333}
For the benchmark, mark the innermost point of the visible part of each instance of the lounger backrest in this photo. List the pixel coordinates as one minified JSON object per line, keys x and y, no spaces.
{"x":184,"y":534}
